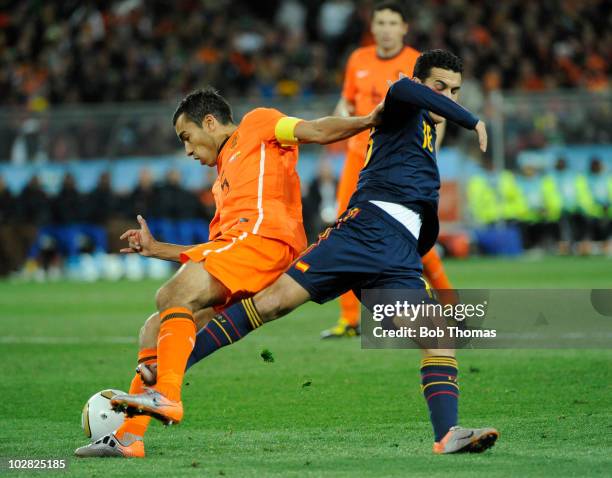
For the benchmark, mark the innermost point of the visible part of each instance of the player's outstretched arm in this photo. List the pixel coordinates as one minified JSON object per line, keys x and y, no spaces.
{"x":335,"y":128}
{"x":421,"y":96}
{"x":141,"y":241}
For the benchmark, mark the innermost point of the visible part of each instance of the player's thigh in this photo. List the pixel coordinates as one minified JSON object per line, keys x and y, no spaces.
{"x":191,"y":286}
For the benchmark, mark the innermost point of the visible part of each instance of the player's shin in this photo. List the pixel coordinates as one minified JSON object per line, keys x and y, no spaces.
{"x":137,"y":425}
{"x":174,"y":345}
{"x":225,"y":328}
{"x":440,"y":389}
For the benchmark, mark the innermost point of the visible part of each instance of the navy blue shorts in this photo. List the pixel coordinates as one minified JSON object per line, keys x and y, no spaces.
{"x":365,"y":249}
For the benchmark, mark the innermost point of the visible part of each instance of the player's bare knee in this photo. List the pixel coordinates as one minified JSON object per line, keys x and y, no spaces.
{"x":280,"y":298}
{"x":163,"y":297}
{"x":269,"y":304}
{"x":171,"y":295}
{"x":171,"y":292}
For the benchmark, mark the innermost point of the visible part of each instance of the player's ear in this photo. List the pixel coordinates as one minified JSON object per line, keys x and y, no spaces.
{"x":209,"y":123}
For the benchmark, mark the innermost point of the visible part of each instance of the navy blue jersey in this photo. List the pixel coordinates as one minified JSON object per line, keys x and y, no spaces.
{"x":400,"y":163}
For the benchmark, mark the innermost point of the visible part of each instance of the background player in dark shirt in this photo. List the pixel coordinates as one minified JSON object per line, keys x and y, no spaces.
{"x":377,"y":242}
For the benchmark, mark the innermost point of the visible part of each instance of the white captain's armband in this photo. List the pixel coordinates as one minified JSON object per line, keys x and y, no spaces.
{"x":284,"y":131}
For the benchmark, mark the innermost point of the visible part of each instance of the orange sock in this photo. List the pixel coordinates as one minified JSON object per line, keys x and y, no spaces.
{"x":137,"y":425}
{"x":349,"y":308}
{"x":434,"y":270}
{"x":174,"y":345}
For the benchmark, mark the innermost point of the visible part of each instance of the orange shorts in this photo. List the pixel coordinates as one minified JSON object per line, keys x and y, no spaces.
{"x":244,"y":263}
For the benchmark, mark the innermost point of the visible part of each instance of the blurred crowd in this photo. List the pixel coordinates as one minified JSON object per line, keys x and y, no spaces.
{"x":50,"y":232}
{"x":534,"y":123}
{"x":60,"y":138}
{"x":48,"y":229}
{"x":558,"y":210}
{"x":131,"y":50}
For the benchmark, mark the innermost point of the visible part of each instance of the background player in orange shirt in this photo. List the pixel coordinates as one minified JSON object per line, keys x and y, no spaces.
{"x":255,"y":234}
{"x":368,"y":71}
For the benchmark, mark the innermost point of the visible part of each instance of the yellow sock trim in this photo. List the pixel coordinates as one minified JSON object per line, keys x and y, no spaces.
{"x":252,"y":314}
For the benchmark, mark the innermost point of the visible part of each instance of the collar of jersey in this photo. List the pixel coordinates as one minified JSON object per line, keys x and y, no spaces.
{"x":225,"y":141}
{"x":387,"y":58}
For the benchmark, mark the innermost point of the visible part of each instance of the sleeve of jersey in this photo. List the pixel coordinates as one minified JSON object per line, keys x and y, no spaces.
{"x":411,"y":92}
{"x":285,"y":131}
{"x":270,"y":124}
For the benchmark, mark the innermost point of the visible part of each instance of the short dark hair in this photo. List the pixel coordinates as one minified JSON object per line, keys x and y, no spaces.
{"x":394,"y":6}
{"x":205,"y":101}
{"x":443,"y":59}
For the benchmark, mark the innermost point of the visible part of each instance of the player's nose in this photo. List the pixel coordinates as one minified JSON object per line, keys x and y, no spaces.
{"x":188,"y":149}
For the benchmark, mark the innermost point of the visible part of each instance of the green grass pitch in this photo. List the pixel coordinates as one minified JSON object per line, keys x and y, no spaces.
{"x":321,"y":408}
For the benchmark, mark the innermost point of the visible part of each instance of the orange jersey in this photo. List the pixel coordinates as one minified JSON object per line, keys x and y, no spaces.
{"x":258,"y":189}
{"x":365,"y":82}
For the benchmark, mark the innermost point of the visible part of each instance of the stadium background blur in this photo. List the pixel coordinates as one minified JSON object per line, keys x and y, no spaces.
{"x":88,"y":91}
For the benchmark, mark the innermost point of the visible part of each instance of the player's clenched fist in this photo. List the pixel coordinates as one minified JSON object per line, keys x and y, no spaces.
{"x":140,"y":241}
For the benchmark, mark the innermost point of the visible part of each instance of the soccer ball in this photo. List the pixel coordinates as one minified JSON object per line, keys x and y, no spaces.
{"x":98,"y":419}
